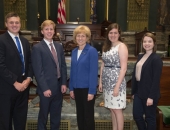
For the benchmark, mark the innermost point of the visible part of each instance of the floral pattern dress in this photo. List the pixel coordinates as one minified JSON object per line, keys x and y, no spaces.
{"x":109,"y":78}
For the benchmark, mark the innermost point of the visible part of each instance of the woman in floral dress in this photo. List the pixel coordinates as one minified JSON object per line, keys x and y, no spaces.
{"x":112,"y":75}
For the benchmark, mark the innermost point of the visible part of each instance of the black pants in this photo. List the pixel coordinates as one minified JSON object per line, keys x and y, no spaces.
{"x":85,"y":109}
{"x":140,"y":109}
{"x":14,"y":108}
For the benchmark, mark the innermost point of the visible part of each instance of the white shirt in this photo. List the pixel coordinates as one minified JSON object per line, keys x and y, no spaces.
{"x":13,"y":37}
{"x":48,"y":44}
{"x":79,"y":53}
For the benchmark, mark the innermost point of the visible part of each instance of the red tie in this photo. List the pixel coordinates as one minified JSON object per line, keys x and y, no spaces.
{"x":56,"y":59}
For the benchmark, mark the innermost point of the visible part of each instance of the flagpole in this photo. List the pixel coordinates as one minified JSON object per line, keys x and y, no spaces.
{"x":47,"y":9}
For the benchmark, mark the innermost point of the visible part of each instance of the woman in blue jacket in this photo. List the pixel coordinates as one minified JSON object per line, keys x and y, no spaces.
{"x":83,"y":78}
{"x":145,"y":84}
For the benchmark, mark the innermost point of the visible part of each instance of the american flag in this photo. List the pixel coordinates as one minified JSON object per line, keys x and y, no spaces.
{"x":61,"y":17}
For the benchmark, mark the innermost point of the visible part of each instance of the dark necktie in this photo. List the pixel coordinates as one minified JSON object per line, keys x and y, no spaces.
{"x":54,"y":53}
{"x":20,"y":53}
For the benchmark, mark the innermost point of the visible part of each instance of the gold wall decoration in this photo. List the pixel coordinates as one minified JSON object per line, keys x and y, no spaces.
{"x":137,"y":15}
{"x":107,"y":10}
{"x":67,"y":10}
{"x":18,"y":6}
{"x":140,"y":2}
{"x":87,"y":10}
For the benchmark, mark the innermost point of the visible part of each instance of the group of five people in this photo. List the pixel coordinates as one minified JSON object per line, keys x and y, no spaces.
{"x":46,"y":61}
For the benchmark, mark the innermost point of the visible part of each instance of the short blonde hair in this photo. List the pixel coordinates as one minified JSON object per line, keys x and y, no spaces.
{"x":47,"y":23}
{"x":82,"y":29}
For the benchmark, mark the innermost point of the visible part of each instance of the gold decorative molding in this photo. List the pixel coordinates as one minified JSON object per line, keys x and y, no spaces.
{"x":67,"y":10}
{"x":140,"y":2}
{"x":18,"y":6}
{"x":13,"y":1}
{"x":137,"y":16}
{"x":107,"y":9}
{"x":87,"y":10}
{"x":47,"y":8}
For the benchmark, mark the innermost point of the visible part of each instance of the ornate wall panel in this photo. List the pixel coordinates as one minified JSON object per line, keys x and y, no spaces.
{"x":75,"y":9}
{"x":138,"y":14}
{"x":18,"y":6}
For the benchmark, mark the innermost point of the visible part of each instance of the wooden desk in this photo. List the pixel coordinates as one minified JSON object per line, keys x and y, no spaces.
{"x":165,"y":97}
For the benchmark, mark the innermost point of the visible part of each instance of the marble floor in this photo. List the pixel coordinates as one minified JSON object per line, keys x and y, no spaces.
{"x":69,"y":111}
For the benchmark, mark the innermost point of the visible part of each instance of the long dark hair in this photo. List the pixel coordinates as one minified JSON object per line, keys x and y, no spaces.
{"x":108,"y":44}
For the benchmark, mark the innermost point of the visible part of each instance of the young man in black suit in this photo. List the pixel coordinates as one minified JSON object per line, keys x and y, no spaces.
{"x":49,"y":67}
{"x":15,"y":75}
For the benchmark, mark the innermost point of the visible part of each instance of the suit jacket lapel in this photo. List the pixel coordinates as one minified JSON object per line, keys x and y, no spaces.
{"x":74,"y":55}
{"x":48,"y":50}
{"x":83,"y":53}
{"x":12,"y":43}
{"x":147,"y":61}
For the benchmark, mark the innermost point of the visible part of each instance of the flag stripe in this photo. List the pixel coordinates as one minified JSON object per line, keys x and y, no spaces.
{"x":61,"y":18}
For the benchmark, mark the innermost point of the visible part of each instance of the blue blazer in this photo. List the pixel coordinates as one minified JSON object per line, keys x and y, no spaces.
{"x":45,"y":68}
{"x":149,"y":84}
{"x":84,"y":71}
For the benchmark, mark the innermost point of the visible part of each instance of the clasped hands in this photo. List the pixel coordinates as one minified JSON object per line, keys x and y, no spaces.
{"x":22,"y":86}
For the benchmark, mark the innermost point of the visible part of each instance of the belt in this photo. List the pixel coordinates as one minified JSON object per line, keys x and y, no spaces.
{"x":112,"y":66}
{"x":59,"y":79}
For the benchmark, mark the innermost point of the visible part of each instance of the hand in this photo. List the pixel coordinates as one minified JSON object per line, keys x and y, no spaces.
{"x":132,"y":96}
{"x":26,"y":83}
{"x":100,"y":88}
{"x":19,"y":86}
{"x":63,"y":88}
{"x":149,"y":102}
{"x":47,"y":93}
{"x":72,"y":94}
{"x":116,"y":92}
{"x":90,"y":97}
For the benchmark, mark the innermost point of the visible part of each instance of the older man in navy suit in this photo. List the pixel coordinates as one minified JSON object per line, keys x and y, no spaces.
{"x":49,"y":67}
{"x":15,"y":75}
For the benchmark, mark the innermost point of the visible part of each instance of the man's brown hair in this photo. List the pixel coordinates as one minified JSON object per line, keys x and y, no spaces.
{"x":11,"y":14}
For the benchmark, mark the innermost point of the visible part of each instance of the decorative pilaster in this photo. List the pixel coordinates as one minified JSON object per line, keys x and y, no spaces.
{"x":18,"y":6}
{"x":138,"y":14}
{"x":93,"y":15}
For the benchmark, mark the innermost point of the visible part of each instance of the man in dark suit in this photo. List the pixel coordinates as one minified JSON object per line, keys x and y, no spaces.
{"x":50,"y":71}
{"x":15,"y":75}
